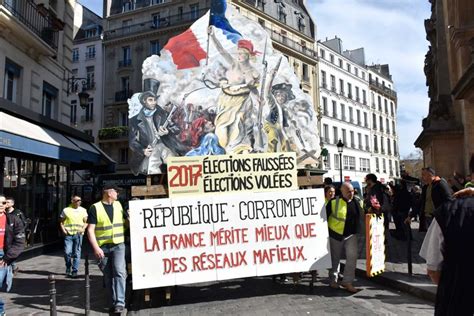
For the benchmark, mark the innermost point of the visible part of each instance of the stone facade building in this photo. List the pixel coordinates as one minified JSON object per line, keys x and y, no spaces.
{"x":447,"y":139}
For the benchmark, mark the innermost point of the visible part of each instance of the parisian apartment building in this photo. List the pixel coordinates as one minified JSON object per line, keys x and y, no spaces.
{"x":358,"y":104}
{"x":135,"y":30}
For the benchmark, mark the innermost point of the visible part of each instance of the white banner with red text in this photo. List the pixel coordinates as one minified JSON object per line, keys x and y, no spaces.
{"x":210,"y":238}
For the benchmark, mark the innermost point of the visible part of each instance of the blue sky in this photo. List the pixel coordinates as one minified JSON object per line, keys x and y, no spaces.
{"x":391,"y":31}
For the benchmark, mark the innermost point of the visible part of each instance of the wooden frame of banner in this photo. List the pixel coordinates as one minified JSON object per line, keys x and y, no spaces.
{"x":149,"y":191}
{"x":369,"y":218}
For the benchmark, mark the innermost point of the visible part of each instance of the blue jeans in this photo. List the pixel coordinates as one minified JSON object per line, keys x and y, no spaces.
{"x":113,"y":267}
{"x":72,"y":249}
{"x":2,"y":277}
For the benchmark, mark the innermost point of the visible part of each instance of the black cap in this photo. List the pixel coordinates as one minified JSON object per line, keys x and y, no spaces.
{"x":110,"y":187}
{"x":430,"y":170}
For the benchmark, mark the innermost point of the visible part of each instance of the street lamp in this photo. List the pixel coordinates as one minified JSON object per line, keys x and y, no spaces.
{"x":83,"y":95}
{"x":340,"y":149}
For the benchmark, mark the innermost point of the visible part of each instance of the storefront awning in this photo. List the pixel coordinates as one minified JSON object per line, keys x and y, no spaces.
{"x":23,"y":136}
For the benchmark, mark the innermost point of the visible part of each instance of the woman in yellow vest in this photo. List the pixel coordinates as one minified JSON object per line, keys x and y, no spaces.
{"x":344,"y":214}
{"x":106,"y":234}
{"x":73,"y":221}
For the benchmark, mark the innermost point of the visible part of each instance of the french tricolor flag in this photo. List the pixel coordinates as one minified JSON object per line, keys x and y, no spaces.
{"x":190,"y":47}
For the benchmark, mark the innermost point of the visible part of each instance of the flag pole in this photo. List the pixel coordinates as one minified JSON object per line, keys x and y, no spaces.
{"x":208,"y":36}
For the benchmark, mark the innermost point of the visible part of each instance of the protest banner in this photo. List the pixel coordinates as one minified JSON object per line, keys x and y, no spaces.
{"x":210,"y":238}
{"x":232,"y":173}
{"x":375,"y":244}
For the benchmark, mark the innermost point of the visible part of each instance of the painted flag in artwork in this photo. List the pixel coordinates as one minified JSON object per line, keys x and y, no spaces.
{"x":189,"y":48}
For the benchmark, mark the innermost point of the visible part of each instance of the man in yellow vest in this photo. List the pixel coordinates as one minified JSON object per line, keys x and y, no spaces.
{"x":73,"y":221}
{"x":107,"y":222}
{"x":344,"y":215}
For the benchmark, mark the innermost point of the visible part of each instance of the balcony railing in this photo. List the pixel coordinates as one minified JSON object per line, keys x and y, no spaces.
{"x":125,"y":63}
{"x":389,"y":93}
{"x":87,"y":118}
{"x":115,"y":132}
{"x":290,"y":43}
{"x":164,"y":22}
{"x":123,"y":95}
{"x":37,"y":19}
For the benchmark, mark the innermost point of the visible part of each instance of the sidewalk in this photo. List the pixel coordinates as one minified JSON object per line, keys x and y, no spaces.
{"x":30,"y":291}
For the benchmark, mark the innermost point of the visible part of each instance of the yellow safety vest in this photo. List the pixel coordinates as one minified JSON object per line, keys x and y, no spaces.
{"x":74,"y":219}
{"x":337,"y":218}
{"x":105,"y":231}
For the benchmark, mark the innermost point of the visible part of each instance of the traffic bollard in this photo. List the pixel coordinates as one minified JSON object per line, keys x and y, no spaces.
{"x":88,"y":287}
{"x":409,"y":258}
{"x":52,"y":295}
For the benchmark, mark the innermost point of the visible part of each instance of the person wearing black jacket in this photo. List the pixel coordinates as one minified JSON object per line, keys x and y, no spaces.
{"x":12,"y":242}
{"x":449,"y":259}
{"x":435,"y":192}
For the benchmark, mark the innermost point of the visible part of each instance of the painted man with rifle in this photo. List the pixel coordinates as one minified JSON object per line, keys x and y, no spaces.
{"x":149,"y":135}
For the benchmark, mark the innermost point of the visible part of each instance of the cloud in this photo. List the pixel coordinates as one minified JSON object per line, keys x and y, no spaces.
{"x":392,"y":32}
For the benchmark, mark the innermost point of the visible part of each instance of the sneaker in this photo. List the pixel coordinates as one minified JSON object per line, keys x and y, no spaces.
{"x":68,"y":271}
{"x":118,"y":309}
{"x":350,"y":288}
{"x":73,"y":275}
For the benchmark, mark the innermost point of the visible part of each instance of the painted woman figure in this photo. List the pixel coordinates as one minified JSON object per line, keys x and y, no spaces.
{"x":234,"y":126}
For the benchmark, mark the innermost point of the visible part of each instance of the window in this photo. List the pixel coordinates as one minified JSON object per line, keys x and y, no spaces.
{"x":126,"y":57}
{"x":349,"y":90}
{"x":91,"y":32}
{"x":128,"y":5}
{"x":305,"y":72}
{"x":123,"y":152}
{"x":325,"y":133}
{"x":379,"y":102}
{"x":389,"y":146}
{"x":156,"y":20}
{"x":364,"y":97}
{"x":382,"y":146}
{"x":377,"y":167}
{"x":180,"y":13}
{"x":11,"y":81}
{"x":359,"y":122}
{"x":391,"y":109}
{"x":89,"y":111}
{"x":374,"y":121}
{"x":75,"y":55}
{"x":387,"y":125}
{"x":90,"y":78}
{"x":261,"y":4}
{"x":348,"y":67}
{"x":88,"y":132}
{"x":366,"y":124}
{"x":352,"y":139}
{"x":384,"y":166}
{"x":376,"y":145}
{"x":344,"y":139}
{"x":194,"y":11}
{"x":396,"y":169}
{"x":367,"y":146}
{"x":336,"y":162}
{"x":322,"y":53}
{"x":351,"y":115}
{"x":363,"y":75}
{"x":393,"y":127}
{"x":334,"y":109}
{"x":261,"y":22}
{"x":364,"y":164}
{"x":343,"y":112}
{"x":327,"y":162}
{"x":357,"y":94}
{"x":349,"y":163}
{"x":155,"y":47}
{"x":73,"y":115}
{"x":325,"y":106}
{"x":333,"y":83}
{"x":331,"y":58}
{"x":340,"y":63}
{"x":281,"y":12}
{"x":356,"y":71}
{"x":301,"y":24}
{"x":49,"y":100}
{"x":395,"y":151}
{"x":341,"y":86}
{"x":385,"y":105}
{"x":323,"y":78}
{"x":125,"y":83}
{"x":90,"y":52}
{"x":123,"y":118}
{"x":334,"y":133}
{"x":359,"y":139}
{"x":381,"y":123}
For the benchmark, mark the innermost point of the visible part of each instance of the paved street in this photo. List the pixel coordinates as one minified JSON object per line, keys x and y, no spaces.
{"x":253,"y":296}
